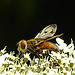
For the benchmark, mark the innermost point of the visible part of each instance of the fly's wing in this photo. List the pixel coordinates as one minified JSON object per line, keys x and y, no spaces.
{"x":48,"y":31}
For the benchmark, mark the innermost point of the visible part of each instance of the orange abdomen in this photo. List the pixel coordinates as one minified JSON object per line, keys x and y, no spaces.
{"x":48,"y":45}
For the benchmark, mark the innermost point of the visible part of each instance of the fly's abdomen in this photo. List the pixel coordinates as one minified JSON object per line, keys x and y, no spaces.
{"x":50,"y":46}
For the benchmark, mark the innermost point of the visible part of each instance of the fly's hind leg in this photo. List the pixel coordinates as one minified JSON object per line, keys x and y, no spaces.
{"x":51,"y":57}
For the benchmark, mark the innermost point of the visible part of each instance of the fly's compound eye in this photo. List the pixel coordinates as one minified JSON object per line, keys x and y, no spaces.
{"x":23,"y":44}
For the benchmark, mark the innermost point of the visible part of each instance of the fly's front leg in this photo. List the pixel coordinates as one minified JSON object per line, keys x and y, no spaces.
{"x":30,"y":51}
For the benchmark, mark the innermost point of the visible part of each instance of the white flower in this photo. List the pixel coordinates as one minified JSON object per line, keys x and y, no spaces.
{"x":66,"y":50}
{"x":47,"y":64}
{"x":61,"y":43}
{"x":3,"y":50}
{"x":71,"y":48}
{"x":65,"y":60}
{"x":74,"y":67}
{"x":52,"y":72}
{"x":74,"y":53}
{"x":7,"y":73}
{"x":63,"y":55}
{"x":2,"y":58}
{"x":67,"y":67}
{"x":13,"y":57}
{"x":73,"y":72}
{"x":27,"y":56}
{"x":17,"y":73}
{"x":30,"y":73}
{"x":72,"y":60}
{"x":37,"y":60}
{"x":71,"y":45}
{"x":44,"y":73}
{"x":67,"y":72}
{"x":58,"y":56}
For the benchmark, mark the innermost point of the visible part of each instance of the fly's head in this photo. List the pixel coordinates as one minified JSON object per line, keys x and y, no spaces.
{"x":22,"y":46}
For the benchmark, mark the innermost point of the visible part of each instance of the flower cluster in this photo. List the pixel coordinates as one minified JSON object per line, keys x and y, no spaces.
{"x":14,"y":65}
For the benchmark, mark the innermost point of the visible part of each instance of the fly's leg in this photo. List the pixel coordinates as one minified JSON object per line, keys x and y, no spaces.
{"x":50,"y":56}
{"x":37,"y":53}
{"x":30,"y":51}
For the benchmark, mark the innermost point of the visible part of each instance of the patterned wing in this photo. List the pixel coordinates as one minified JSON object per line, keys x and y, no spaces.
{"x":48,"y":31}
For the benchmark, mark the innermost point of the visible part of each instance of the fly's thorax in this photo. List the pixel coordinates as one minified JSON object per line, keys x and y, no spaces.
{"x":33,"y":41}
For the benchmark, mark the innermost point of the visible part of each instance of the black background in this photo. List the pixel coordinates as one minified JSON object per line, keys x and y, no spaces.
{"x":23,"y":19}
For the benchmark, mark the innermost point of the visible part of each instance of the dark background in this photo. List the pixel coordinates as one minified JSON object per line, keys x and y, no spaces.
{"x":23,"y":19}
